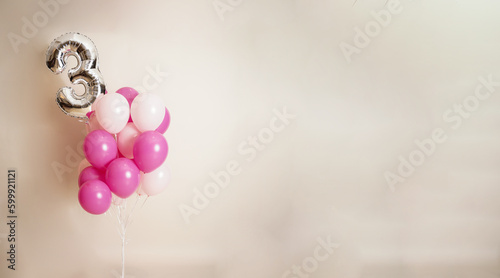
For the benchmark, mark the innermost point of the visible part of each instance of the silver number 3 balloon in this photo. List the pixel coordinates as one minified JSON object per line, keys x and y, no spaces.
{"x":85,"y":73}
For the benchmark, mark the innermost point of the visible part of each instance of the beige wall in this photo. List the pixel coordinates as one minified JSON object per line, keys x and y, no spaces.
{"x":319,"y":178}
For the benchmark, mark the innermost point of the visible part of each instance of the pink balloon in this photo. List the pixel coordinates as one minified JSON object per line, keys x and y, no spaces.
{"x":122,"y":177}
{"x":126,"y":140}
{"x":148,"y":111}
{"x":96,"y":101}
{"x":93,"y":123}
{"x":155,"y":182}
{"x":100,"y":148}
{"x":129,"y":94}
{"x":113,"y":112}
{"x":165,"y":124}
{"x":83,"y":164}
{"x":94,"y":197}
{"x":150,"y":151}
{"x":90,"y":173}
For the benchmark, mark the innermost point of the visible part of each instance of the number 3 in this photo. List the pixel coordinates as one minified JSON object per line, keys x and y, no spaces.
{"x":85,"y":73}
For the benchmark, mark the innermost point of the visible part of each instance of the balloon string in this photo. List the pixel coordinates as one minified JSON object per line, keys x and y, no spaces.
{"x":147,"y":197}
{"x":124,"y":218}
{"x":129,"y":216}
{"x":123,"y":257}
{"x":124,"y":228}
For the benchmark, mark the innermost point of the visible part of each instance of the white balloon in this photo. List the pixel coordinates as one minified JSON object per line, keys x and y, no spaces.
{"x":126,"y":139}
{"x":147,"y":111}
{"x":155,"y":182}
{"x":112,"y":112}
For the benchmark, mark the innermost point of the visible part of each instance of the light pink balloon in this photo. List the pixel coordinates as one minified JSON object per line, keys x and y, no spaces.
{"x":113,"y":112}
{"x":126,"y":139}
{"x":156,"y":181}
{"x":148,"y":111}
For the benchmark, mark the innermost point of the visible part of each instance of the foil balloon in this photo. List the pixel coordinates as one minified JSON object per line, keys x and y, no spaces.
{"x":85,"y":73}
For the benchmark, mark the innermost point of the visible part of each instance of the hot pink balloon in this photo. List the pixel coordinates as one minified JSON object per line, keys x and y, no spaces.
{"x":126,"y":140}
{"x":129,"y":94}
{"x":94,"y":197}
{"x":155,"y":182}
{"x":150,"y":151}
{"x":90,"y":173}
{"x":100,"y":148}
{"x":165,"y":124}
{"x":122,"y":177}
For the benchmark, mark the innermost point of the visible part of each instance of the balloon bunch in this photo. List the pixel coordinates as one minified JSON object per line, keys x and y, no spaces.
{"x":125,"y":149}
